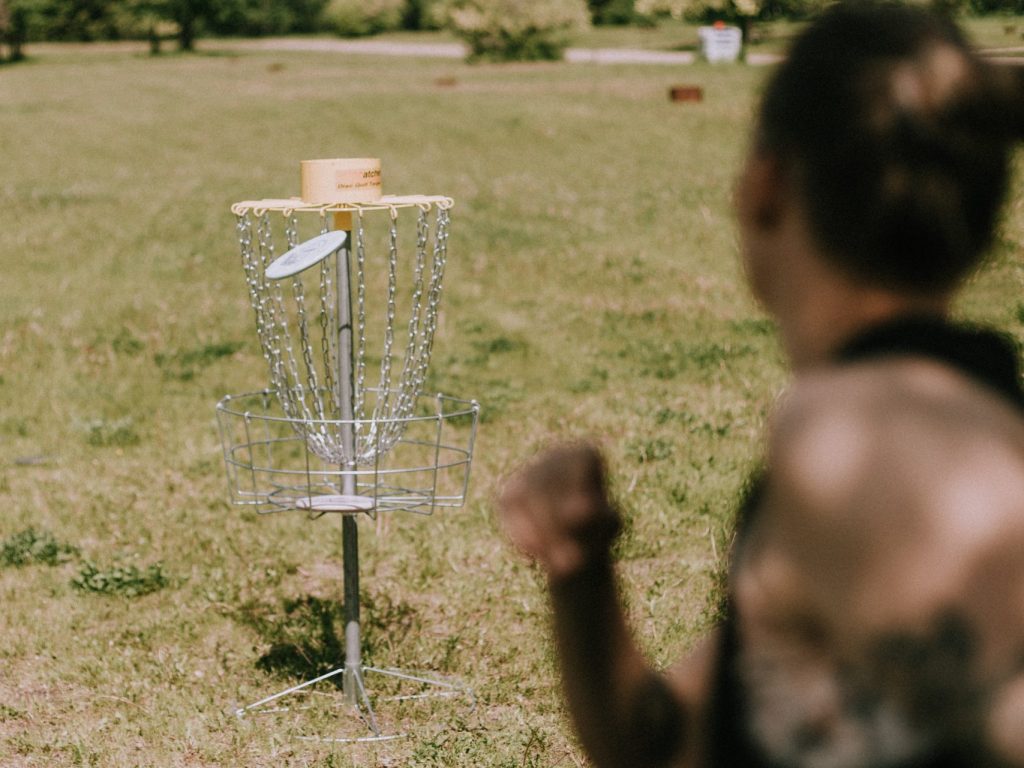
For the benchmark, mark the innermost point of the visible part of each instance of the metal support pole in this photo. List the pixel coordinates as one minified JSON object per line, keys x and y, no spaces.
{"x":352,"y":679}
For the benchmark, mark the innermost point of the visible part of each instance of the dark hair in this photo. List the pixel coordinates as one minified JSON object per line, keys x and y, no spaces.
{"x":899,"y":139}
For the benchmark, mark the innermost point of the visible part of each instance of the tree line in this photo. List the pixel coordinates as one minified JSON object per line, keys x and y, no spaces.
{"x":23,"y":21}
{"x":183,"y":20}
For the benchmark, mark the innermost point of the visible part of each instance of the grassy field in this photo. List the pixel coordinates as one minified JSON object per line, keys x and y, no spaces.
{"x":593,"y":289}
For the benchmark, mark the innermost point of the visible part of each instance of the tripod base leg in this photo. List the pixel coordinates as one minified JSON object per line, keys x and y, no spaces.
{"x":420,"y":687}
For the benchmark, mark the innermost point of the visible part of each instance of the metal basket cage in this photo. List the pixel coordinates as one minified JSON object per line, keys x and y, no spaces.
{"x":271,"y":466}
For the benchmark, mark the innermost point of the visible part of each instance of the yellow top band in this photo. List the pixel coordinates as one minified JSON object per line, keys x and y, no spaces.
{"x":385,"y":203}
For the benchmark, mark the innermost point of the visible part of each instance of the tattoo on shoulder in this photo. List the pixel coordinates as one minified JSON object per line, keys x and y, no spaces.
{"x":916,"y":698}
{"x":930,"y":675}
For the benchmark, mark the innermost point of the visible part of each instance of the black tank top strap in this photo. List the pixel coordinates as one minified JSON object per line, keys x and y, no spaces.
{"x":987,"y":356}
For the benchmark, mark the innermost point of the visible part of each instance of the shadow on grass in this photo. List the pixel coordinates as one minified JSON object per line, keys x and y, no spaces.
{"x":305,"y":634}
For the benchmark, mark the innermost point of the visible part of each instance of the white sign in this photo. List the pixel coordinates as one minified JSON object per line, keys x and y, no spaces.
{"x":720,"y":43}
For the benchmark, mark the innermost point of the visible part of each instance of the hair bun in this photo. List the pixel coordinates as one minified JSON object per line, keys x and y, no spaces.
{"x":899,"y":137}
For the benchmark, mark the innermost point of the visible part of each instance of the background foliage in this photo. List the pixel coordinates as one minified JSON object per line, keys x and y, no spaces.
{"x":354,"y":18}
{"x":517,"y":29}
{"x":494,"y":28}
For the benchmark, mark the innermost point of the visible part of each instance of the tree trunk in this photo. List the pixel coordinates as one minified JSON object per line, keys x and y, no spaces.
{"x":745,"y":24}
{"x":187,"y":32}
{"x":5,"y":27}
{"x":17,"y":33}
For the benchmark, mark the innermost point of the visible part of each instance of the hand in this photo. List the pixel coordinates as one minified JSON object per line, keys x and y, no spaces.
{"x":556,"y":510}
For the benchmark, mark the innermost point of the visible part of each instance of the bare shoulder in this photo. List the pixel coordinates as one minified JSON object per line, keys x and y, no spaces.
{"x":901,"y":429}
{"x":898,"y":473}
{"x":890,"y":540}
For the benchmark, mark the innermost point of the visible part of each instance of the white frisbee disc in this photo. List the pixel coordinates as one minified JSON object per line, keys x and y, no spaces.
{"x":305,"y":255}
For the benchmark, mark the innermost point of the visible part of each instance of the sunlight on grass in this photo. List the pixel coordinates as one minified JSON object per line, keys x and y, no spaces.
{"x":593,"y":289}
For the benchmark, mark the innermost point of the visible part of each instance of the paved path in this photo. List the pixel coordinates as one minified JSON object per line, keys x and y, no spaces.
{"x":448,"y":50}
{"x":458,"y":51}
{"x":326,"y":44}
{"x":387,"y":48}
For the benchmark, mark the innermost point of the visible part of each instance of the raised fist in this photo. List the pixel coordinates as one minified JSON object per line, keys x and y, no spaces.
{"x":556,"y":509}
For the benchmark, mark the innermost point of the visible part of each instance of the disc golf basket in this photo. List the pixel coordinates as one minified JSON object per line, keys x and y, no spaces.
{"x":346,"y":286}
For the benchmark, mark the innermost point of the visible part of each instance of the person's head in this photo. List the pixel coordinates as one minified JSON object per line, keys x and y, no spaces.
{"x":896,"y":139}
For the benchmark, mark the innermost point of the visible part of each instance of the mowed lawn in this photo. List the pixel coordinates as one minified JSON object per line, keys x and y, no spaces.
{"x":593,"y":289}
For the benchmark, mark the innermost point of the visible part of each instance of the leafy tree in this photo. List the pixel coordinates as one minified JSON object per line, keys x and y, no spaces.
{"x":84,"y":20}
{"x":188,"y":15}
{"x":354,"y":18}
{"x":739,"y":12}
{"x":424,"y":14}
{"x":612,"y":11}
{"x":517,"y":29}
{"x":266,"y":17}
{"x":188,"y":18}
{"x":17,"y":32}
{"x":18,"y":24}
{"x":996,"y":6}
{"x":5,"y":26}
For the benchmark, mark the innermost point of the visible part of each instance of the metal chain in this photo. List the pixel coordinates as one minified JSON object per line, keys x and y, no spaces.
{"x":327,"y":340}
{"x":359,"y":398}
{"x":243,"y":225}
{"x":406,"y":389}
{"x":291,"y":391}
{"x":291,"y":232}
{"x":295,"y":389}
{"x":265,"y":307}
{"x":280,"y":319}
{"x":272,"y":305}
{"x":433,"y":296}
{"x":254,"y":281}
{"x":312,"y":383}
{"x":381,"y":411}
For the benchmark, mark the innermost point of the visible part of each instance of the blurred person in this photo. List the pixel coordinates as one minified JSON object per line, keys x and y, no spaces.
{"x":874,"y":615}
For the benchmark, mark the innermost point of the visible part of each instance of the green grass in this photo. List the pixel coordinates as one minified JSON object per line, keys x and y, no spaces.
{"x":593,"y":289}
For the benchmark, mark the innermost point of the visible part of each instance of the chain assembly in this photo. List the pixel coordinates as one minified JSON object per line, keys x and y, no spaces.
{"x":297,"y":321}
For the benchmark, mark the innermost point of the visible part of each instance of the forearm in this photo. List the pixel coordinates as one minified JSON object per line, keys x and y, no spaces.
{"x":624,"y":712}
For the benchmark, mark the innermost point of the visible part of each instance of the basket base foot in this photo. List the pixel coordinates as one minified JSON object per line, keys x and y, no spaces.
{"x":318,"y":710}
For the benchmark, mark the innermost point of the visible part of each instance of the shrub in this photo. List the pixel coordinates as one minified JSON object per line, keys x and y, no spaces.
{"x":126,"y":580}
{"x":425,"y":14}
{"x":983,"y":7}
{"x":612,"y":11}
{"x":509,"y":30}
{"x":355,"y":18}
{"x":656,"y":9}
{"x":706,"y":11}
